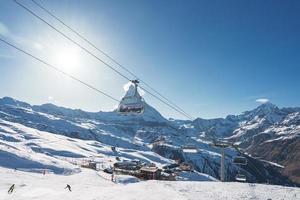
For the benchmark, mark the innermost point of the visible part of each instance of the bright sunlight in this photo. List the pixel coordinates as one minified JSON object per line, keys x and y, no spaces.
{"x":67,"y":58}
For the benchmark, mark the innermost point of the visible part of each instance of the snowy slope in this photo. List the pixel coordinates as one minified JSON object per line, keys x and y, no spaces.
{"x":92,"y":134}
{"x":89,"y":186}
{"x":26,"y":148}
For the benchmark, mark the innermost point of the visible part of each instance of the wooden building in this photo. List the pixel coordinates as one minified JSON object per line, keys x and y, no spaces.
{"x":150,"y":173}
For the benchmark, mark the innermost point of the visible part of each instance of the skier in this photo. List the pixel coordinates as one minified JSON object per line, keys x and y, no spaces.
{"x":112,"y":177}
{"x":11,"y":189}
{"x":69,"y":187}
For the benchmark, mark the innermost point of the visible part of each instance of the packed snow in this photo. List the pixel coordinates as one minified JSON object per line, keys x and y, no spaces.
{"x":58,"y":140}
{"x":24,"y":147}
{"x":88,"y":185}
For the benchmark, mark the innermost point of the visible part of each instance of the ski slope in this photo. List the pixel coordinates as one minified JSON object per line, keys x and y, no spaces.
{"x":31,"y":151}
{"x":28,"y":149}
{"x":57,"y":139}
{"x":89,"y":185}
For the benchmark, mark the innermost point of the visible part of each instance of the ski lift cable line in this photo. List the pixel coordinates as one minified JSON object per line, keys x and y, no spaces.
{"x":93,"y":55}
{"x":86,"y":50}
{"x":189,"y":117}
{"x":250,"y":162}
{"x":257,"y":170}
{"x":70,"y":39}
{"x":58,"y":70}
{"x":106,"y":54}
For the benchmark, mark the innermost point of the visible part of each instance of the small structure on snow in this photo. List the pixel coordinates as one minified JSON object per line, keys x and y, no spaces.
{"x":186,"y":166}
{"x":91,"y":165}
{"x":127,"y":165}
{"x":150,"y":173}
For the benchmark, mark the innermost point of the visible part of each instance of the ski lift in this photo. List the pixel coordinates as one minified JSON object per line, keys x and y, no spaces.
{"x":113,"y":148}
{"x":240,"y":178}
{"x":220,"y":143}
{"x":240,"y":160}
{"x":132,"y":102}
{"x":189,"y":148}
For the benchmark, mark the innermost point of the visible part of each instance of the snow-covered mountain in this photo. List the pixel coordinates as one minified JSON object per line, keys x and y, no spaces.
{"x":149,"y":137}
{"x":267,"y":132}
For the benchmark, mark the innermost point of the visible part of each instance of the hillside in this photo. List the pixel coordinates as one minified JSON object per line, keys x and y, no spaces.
{"x":49,"y":136}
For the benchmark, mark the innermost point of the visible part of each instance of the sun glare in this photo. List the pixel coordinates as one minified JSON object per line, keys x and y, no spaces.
{"x":67,"y":59}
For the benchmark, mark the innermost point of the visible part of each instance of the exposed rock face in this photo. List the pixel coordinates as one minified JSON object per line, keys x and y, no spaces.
{"x":285,"y":152}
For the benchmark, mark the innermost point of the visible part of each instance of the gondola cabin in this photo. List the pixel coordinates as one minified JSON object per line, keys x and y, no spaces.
{"x":132,"y":102}
{"x":240,"y":160}
{"x":240,"y":178}
{"x":189,"y":148}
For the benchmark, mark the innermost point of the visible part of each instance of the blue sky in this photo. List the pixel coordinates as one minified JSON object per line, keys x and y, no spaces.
{"x":212,"y":58}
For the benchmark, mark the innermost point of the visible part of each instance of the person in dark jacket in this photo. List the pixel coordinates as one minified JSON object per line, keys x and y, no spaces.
{"x":69,"y":187}
{"x":11,"y":189}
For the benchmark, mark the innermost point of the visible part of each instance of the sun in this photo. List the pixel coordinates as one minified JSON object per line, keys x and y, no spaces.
{"x":67,"y":58}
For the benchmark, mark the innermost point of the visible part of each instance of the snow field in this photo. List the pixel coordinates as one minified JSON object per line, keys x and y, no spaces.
{"x":88,"y":185}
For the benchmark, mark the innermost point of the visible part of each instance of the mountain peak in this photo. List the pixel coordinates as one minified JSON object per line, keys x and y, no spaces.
{"x":267,"y":105}
{"x":13,"y":102}
{"x":265,"y":109}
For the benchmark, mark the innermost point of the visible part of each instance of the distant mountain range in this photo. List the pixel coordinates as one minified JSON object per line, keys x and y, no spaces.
{"x":267,"y":136}
{"x":267,"y":132}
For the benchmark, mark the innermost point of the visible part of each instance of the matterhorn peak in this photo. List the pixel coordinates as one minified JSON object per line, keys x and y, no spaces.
{"x":269,"y":103}
{"x":266,"y":107}
{"x":131,"y":90}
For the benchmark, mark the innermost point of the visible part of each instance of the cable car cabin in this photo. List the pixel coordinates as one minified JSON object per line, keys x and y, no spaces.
{"x":132,"y":102}
{"x":240,"y":160}
{"x":189,"y":148}
{"x":240,"y":178}
{"x":131,"y":108}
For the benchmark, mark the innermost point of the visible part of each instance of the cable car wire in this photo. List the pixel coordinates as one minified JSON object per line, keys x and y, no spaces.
{"x":70,"y":39}
{"x":93,"y":55}
{"x":58,"y":70}
{"x":108,"y":56}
